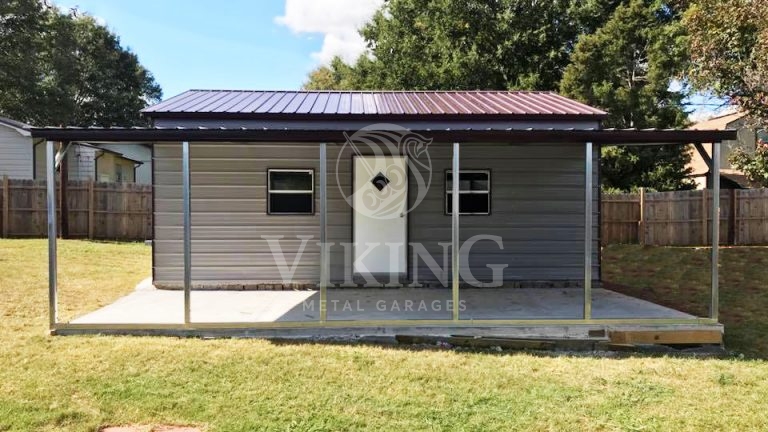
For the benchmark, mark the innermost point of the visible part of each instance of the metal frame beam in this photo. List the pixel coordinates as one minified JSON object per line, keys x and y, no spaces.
{"x":714,"y":308}
{"x":588,"y":231}
{"x":324,"y":264}
{"x":50,"y":162}
{"x":467,"y":136}
{"x":324,"y":277}
{"x":455,"y":239}
{"x":186,"y":208}
{"x":385,"y":323}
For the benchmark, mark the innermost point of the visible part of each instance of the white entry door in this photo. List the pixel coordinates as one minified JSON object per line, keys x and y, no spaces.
{"x":380,"y":222}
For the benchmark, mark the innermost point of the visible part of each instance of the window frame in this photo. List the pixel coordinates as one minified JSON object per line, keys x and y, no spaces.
{"x":449,"y":192}
{"x":311,"y":192}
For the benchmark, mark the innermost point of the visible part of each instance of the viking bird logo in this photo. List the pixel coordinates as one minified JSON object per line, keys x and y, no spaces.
{"x":378,"y":145}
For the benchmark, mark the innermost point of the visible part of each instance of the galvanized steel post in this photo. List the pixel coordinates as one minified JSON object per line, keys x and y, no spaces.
{"x":324,"y":268}
{"x":50,"y":163}
{"x":714,"y":308}
{"x":186,"y":208}
{"x":455,"y":241}
{"x":588,"y":232}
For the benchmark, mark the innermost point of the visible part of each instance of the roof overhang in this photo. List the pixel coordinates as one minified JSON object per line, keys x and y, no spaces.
{"x":509,"y":136}
{"x":377,"y":118}
{"x":18,"y":129}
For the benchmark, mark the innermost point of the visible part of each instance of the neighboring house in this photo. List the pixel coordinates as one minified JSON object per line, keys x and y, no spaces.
{"x":21,"y":157}
{"x":127,"y":163}
{"x":730,"y":177}
{"x":15,"y":149}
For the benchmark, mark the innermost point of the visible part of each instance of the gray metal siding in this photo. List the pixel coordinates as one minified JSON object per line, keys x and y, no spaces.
{"x":15,"y":154}
{"x":537,"y":208}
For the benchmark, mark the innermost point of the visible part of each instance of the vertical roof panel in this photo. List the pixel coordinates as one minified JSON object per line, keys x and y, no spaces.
{"x":270,"y":103}
{"x":405,"y":103}
{"x":319,"y":106}
{"x":226,"y":106}
{"x":251,"y":103}
{"x":345,"y":103}
{"x":333,"y":103}
{"x":306,"y":104}
{"x":357,"y":104}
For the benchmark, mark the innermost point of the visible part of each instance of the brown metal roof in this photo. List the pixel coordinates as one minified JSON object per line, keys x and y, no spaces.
{"x":310,"y":135}
{"x":303,"y":104}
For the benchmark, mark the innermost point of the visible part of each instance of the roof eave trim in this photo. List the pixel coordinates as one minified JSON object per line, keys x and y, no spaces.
{"x":21,"y":131}
{"x":606,"y":136}
{"x":369,"y":117}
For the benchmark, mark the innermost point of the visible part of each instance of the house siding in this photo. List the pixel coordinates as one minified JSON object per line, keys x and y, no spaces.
{"x":80,"y":162}
{"x":15,"y":154}
{"x":537,"y":210}
{"x":137,"y":152}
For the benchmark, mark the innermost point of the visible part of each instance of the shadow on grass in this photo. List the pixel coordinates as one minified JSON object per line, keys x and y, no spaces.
{"x":442,"y":344}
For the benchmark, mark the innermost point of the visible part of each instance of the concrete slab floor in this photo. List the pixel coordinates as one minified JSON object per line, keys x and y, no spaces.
{"x":153,"y":306}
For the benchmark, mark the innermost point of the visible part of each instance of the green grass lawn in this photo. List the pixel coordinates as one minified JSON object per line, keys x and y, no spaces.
{"x":679,"y":277}
{"x":80,"y":383}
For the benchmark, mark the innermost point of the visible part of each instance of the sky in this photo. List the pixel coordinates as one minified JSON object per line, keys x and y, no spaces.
{"x":233,"y":44}
{"x":245,"y":44}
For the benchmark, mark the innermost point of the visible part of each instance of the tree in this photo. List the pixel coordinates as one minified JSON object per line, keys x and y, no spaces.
{"x":626,"y":67}
{"x":620,"y":55}
{"x":80,"y":74}
{"x":335,"y":76}
{"x":466,"y":44}
{"x":21,"y":25}
{"x":753,"y":165}
{"x":729,"y":52}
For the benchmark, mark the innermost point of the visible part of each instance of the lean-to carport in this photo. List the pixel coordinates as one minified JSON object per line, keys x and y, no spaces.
{"x":589,"y":139}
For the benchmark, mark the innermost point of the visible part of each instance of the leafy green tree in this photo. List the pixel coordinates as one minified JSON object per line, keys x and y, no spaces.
{"x":21,"y":25}
{"x":729,"y":52}
{"x":335,"y":76}
{"x":626,"y":67}
{"x":466,"y":44}
{"x":81,"y":75}
{"x":753,"y":165}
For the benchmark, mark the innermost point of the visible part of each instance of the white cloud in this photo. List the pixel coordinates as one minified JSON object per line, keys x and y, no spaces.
{"x":337,"y":20}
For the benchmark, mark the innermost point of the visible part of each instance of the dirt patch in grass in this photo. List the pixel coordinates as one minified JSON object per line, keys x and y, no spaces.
{"x":150,"y":428}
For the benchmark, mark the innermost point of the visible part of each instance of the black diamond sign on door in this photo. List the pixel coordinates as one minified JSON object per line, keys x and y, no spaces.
{"x":380,"y":181}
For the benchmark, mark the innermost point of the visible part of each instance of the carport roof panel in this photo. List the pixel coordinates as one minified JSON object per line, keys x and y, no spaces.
{"x":346,"y":104}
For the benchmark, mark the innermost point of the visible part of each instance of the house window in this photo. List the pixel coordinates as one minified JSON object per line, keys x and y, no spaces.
{"x":474,"y":192}
{"x":290,"y":192}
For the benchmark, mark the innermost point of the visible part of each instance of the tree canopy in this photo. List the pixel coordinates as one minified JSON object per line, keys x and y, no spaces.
{"x":466,"y":44}
{"x":619,"y":55}
{"x":63,"y":68}
{"x":627,"y":67}
{"x":729,"y":52}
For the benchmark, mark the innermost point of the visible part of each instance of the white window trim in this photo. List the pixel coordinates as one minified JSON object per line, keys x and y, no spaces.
{"x":449,"y":192}
{"x":310,"y":191}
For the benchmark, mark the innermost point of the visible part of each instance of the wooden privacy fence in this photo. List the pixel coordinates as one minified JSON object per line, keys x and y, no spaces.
{"x":684,"y":218}
{"x":107,"y":211}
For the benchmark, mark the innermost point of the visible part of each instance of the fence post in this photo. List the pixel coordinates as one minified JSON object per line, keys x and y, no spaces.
{"x":91,"y":212}
{"x":641,"y":222}
{"x":732,"y":217}
{"x":704,"y":217}
{"x":6,"y":205}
